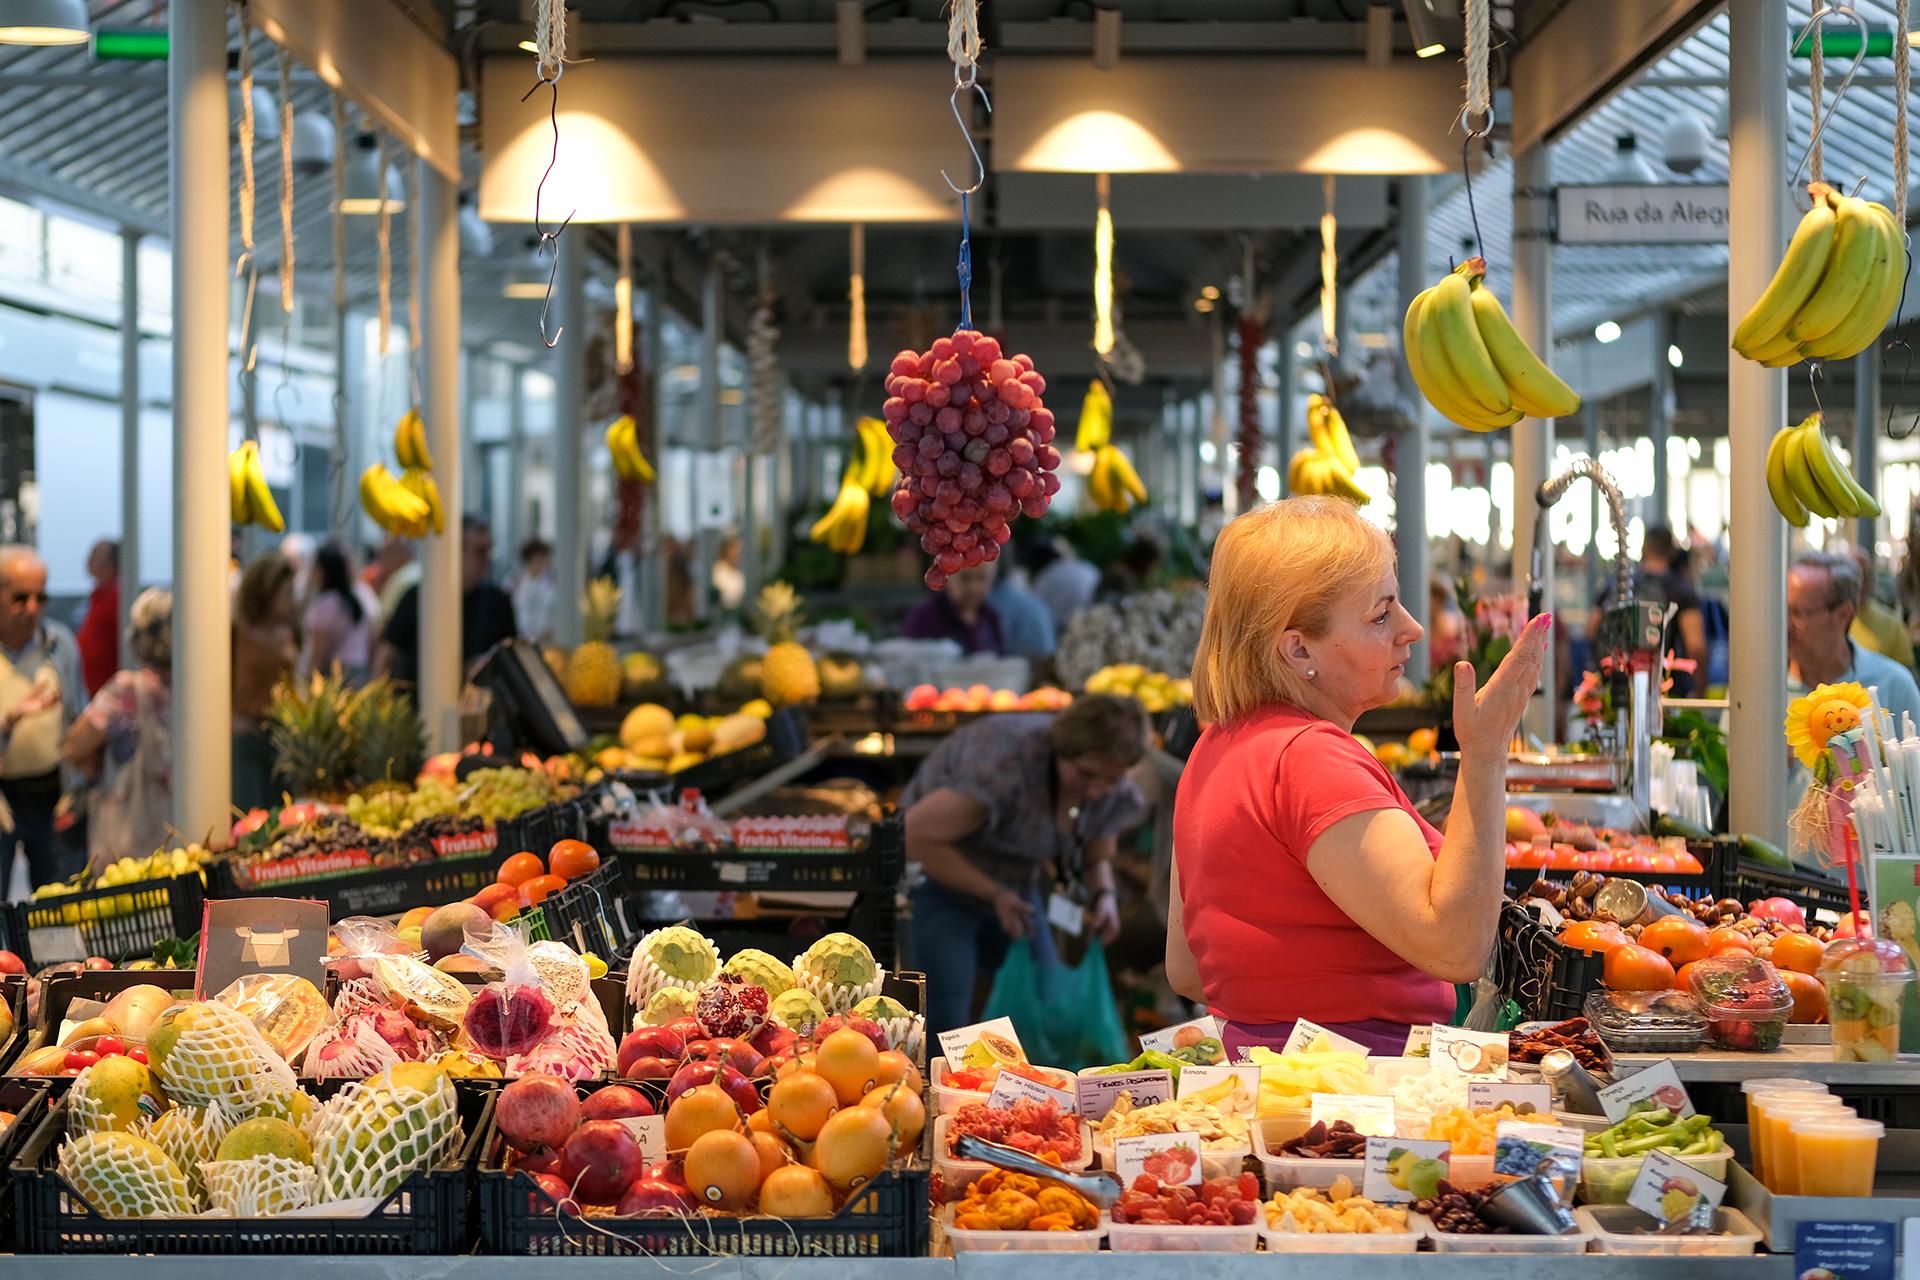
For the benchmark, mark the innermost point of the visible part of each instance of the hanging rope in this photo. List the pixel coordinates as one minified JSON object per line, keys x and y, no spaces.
{"x":1479,"y":86}
{"x":857,"y":297}
{"x":1817,"y":67}
{"x":963,"y":41}
{"x":1329,"y":269}
{"x":550,"y":45}
{"x":1902,"y":85}
{"x":623,"y":305}
{"x":244,"y":265}
{"x":385,"y":236}
{"x":1103,"y":266}
{"x":413,"y":280}
{"x":963,"y":48}
{"x":286,"y":182}
{"x":550,"y":38}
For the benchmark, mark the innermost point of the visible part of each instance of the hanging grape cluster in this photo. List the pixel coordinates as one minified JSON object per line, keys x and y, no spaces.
{"x":973,"y":445}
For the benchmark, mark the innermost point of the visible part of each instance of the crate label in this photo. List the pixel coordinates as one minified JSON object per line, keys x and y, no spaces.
{"x":1167,"y":1039}
{"x":1195,"y":1079}
{"x":824,"y":833}
{"x":956,"y":1044}
{"x":1371,"y":1114}
{"x":1470,"y":1053}
{"x":471,"y":844}
{"x":651,"y":1133}
{"x":1525,"y":1099}
{"x":1009,"y":1088}
{"x":56,"y":944}
{"x":730,"y":872}
{"x":1856,"y":1250}
{"x":628,"y":836}
{"x":1658,"y":1085}
{"x":1522,"y":1149}
{"x":1174,"y":1158}
{"x":241,"y":937}
{"x":1399,"y":1170}
{"x":1669,"y":1188}
{"x":1098,"y":1093}
{"x":1311,"y":1035}
{"x":306,"y":866}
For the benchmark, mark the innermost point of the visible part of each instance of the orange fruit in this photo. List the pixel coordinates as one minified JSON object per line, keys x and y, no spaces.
{"x":894,"y":1067}
{"x":1799,"y":952}
{"x":1593,"y":935}
{"x":723,"y":1170}
{"x":800,"y":1104}
{"x":1809,"y":996}
{"x":1636,"y":968}
{"x":1727,"y":935}
{"x":850,"y":1063}
{"x":906,"y":1114}
{"x":760,"y":1122}
{"x":853,"y":1148}
{"x":1741,"y":948}
{"x":571,"y":859}
{"x":773,"y":1153}
{"x":540,"y":888}
{"x":795,"y":1191}
{"x":698,"y":1111}
{"x":1677,"y":938}
{"x":520,"y":868}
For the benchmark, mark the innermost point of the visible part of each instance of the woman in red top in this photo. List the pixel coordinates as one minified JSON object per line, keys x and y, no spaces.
{"x":1305,"y":885}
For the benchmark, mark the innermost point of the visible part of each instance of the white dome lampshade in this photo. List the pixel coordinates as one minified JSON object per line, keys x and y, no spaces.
{"x":476,"y":237}
{"x":1629,"y":168}
{"x":43,"y":22}
{"x":362,"y":193}
{"x":312,"y":143}
{"x":1687,"y":142}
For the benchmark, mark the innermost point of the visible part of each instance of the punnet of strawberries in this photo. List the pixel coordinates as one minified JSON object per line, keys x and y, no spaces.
{"x":1035,"y":1127}
{"x":1217,"y":1202}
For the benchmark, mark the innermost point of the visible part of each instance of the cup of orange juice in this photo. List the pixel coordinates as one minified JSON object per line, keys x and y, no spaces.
{"x":1865,"y":980}
{"x":1777,"y":1115}
{"x":1778,"y":1085}
{"x":1836,"y":1157}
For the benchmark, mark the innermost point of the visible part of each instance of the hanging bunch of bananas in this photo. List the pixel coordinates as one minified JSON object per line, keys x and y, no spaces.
{"x":1835,"y":289}
{"x":623,"y":442}
{"x":876,"y":472}
{"x":1327,"y":466}
{"x":410,"y":442}
{"x":1469,"y":361}
{"x":1804,"y":476}
{"x":1096,"y":418}
{"x":403,"y":505}
{"x":248,"y":496}
{"x":844,"y":527}
{"x":1113,"y":483}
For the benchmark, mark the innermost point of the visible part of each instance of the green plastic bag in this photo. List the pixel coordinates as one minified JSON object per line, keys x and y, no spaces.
{"x":1066,"y":1017}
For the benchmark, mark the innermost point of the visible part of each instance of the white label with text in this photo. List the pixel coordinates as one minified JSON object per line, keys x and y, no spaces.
{"x":1195,"y":1079}
{"x":1306,"y":1035}
{"x":1174,"y":1158}
{"x":1098,"y":1093}
{"x":954,"y":1044}
{"x":1658,"y":1084}
{"x":1009,"y":1088}
{"x":1371,"y":1114}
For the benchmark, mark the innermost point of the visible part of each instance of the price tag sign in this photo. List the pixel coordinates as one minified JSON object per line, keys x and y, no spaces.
{"x":1311,"y":1035}
{"x":954,"y":1044}
{"x":1856,"y":1250}
{"x":1371,"y":1114}
{"x":1525,"y":1099}
{"x":1098,"y":1093}
{"x":1009,"y":1088}
{"x":1066,"y":915}
{"x":1174,"y":1158}
{"x":1419,"y":1042}
{"x":1658,"y":1086}
{"x":1399,"y":1170}
{"x":1481,"y":1054}
{"x":651,"y":1133}
{"x":1668,"y":1188}
{"x":1521,"y":1150}
{"x":1197,"y":1079}
{"x":1181,"y":1034}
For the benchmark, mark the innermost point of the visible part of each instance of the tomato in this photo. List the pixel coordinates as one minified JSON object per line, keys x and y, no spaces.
{"x":109,"y":1046}
{"x":1637,"y":968}
{"x":571,"y":859}
{"x":1593,"y":935}
{"x":138,"y":1053}
{"x":1527,"y":856}
{"x":1799,"y":952}
{"x":1809,"y":996}
{"x":1514,"y":853}
{"x":79,"y":1059}
{"x":1664,"y":864}
{"x":1634,"y":863}
{"x":1564,"y":857}
{"x":1676,"y":938}
{"x":1687,"y":865}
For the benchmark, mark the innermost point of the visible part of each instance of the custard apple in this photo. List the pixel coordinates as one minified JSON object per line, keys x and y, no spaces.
{"x":842,"y":959}
{"x":762,"y":970}
{"x":798,"y":1009}
{"x":881,"y":1009}
{"x":681,"y":954}
{"x":667,"y":1004}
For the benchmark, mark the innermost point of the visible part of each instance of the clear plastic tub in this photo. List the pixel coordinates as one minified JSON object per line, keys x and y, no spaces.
{"x":1449,"y":1242}
{"x":1162,"y":1238}
{"x":963,"y":1240}
{"x":1285,"y":1173}
{"x":1646,"y":1021}
{"x":1225,"y":1163}
{"x":1407,"y":1241}
{"x":957,"y":1175}
{"x":1608,"y":1182}
{"x":1620,"y":1229}
{"x":1470,"y":1173}
{"x":1746,"y":1002}
{"x":946,"y":1099}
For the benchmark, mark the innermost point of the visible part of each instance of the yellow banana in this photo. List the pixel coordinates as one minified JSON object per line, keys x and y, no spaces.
{"x":853,"y":525}
{"x":1774,"y":349}
{"x":1121,"y":469}
{"x":1791,"y":509}
{"x":421,"y":485}
{"x":1341,"y":439}
{"x":1534,"y":387}
{"x":403,"y":449}
{"x":1317,"y":422}
{"x":1342,"y":484}
{"x":878,"y":472}
{"x":1099,"y":481}
{"x":1793,"y":282}
{"x":260,"y":504}
{"x":237,"y":486}
{"x":617,"y":448}
{"x":1856,"y":242}
{"x":1450,"y":313}
{"x":1434,"y":374}
{"x":1296,"y":471}
{"x":1874,"y":307}
{"x":1096,"y":417}
{"x":1805,"y":481}
{"x":1835,"y":480}
{"x":422,"y":456}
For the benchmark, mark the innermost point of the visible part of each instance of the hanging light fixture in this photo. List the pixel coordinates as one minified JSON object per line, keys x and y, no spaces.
{"x":312,"y":143}
{"x":1687,"y":141}
{"x":362,"y":194}
{"x":1629,"y":167}
{"x":476,"y":237}
{"x":43,"y":22}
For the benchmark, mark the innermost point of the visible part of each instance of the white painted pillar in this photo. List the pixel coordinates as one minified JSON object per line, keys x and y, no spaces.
{"x":202,"y":645}
{"x":1866,"y":422}
{"x":569,"y":413}
{"x":1410,"y":457}
{"x":1756,"y":408}
{"x":515,"y":527}
{"x":129,"y":433}
{"x":1659,"y":422}
{"x":438,"y":279}
{"x":1532,"y":439}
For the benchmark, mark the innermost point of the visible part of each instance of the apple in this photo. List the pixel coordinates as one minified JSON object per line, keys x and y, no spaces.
{"x":771,"y":1039}
{"x":737,"y":1053}
{"x":11,"y":963}
{"x":850,"y":1022}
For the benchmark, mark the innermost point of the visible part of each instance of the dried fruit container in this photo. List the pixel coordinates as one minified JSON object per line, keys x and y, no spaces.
{"x":957,"y":1175}
{"x":1226,"y":1162}
{"x":1287,"y":1173}
{"x":1470,"y":1242}
{"x":1646,"y":1021}
{"x":1162,"y":1237}
{"x":967,"y":1240}
{"x":1621,"y":1229}
{"x":1407,"y":1241}
{"x":1745,"y":1001}
{"x":946,"y":1098}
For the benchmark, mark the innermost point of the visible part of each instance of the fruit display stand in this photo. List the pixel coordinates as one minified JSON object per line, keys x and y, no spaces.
{"x":27,"y":1102}
{"x":58,"y":994}
{"x":121,"y":922}
{"x":13,"y":994}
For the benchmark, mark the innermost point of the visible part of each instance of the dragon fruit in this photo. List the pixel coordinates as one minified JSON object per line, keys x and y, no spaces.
{"x":731,"y":1006}
{"x":580,"y":1048}
{"x":505,"y":1023}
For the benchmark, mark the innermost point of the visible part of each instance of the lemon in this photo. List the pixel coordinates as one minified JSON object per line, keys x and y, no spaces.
{"x":758,"y":707}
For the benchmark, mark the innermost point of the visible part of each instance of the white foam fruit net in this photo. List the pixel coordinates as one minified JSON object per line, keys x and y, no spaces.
{"x":190,"y":1136}
{"x":375,"y":1133}
{"x":436,"y":998}
{"x":260,"y":1187}
{"x":836,"y":997}
{"x":124,"y":1176}
{"x":223,"y":1057}
{"x":563,"y":972}
{"x":353,"y":1050}
{"x":85,"y":1114}
{"x":645,"y":977}
{"x":580,"y":1048}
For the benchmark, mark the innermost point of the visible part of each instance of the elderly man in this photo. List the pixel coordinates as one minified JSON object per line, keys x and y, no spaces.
{"x":41,"y":693}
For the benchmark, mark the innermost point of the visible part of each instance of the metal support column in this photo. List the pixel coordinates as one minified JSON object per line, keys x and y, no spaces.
{"x":129,"y":434}
{"x":1532,"y":439}
{"x":344,"y":518}
{"x":653,"y":563}
{"x":202,"y":644}
{"x":1659,"y":420}
{"x":1866,"y":421}
{"x":1590,"y":426}
{"x":1756,"y":406}
{"x":438,"y":281}
{"x":569,"y":413}
{"x":514,"y":527}
{"x":1410,"y":455}
{"x":1283,"y":424}
{"x":707,"y":414}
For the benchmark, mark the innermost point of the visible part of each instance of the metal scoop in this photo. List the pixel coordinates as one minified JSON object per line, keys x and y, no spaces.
{"x":1098,"y":1186}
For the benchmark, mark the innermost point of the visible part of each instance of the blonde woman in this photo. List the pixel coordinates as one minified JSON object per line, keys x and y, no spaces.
{"x":1305,"y":884}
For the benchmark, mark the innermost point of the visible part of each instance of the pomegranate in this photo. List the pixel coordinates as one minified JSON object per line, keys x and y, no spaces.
{"x":687,"y":1027}
{"x":853,"y":1022}
{"x":615,"y":1102}
{"x":537,"y":1111}
{"x":731,"y":1006}
{"x":556,"y":1190}
{"x":1784,"y":910}
{"x":599,"y":1161}
{"x":736,"y":1053}
{"x":771,"y":1039}
{"x":504,"y":1023}
{"x":545,"y":1160}
{"x":651,"y":1198}
{"x":651,"y":1053}
{"x":728,"y":1077}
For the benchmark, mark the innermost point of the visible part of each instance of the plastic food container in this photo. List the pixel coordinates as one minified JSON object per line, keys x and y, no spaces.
{"x":1164,"y":1238}
{"x":1287,"y":1173}
{"x":1745,"y":1001}
{"x":1407,"y":1241}
{"x":1228,"y":1162}
{"x":946,"y":1099}
{"x":964,"y":1240}
{"x":1449,"y":1242}
{"x":1754,"y":1091}
{"x":1621,"y":1229}
{"x":1609,"y":1182}
{"x":957,"y":1175}
{"x":1646,"y":1021}
{"x":1837,"y":1156}
{"x":1866,"y":979}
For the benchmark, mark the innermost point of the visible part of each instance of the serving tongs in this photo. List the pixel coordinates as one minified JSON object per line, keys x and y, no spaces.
{"x":1097,"y":1185}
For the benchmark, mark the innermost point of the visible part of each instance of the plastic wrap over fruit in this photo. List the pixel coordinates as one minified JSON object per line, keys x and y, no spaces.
{"x":509,"y":1017}
{"x":580,"y":1048}
{"x":436,"y":999}
{"x":362,"y":939}
{"x":286,"y":1009}
{"x":563,"y":971}
{"x":351,"y":1051}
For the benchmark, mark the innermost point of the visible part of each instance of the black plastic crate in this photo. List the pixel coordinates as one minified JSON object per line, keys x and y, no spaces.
{"x":594,"y":913}
{"x":538,"y":830}
{"x":378,"y":891}
{"x":878,"y":863}
{"x":1547,"y":980}
{"x":27,"y":1100}
{"x":13,"y":992}
{"x":118,"y":923}
{"x":430,"y":1213}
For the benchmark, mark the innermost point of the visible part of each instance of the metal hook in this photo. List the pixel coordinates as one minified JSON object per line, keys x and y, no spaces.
{"x":979,"y":166}
{"x":1820,"y":126}
{"x":548,"y":238}
{"x":1814,"y":368}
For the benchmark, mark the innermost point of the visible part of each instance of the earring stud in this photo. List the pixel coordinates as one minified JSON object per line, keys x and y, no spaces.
{"x":1311,"y":673}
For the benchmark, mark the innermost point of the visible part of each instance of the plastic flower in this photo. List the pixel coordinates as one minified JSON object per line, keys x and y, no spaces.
{"x":1814,"y":718}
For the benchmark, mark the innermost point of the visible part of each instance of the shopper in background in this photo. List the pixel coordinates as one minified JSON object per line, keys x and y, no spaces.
{"x":1024,"y":620}
{"x":41,"y":692}
{"x":1661,"y":579}
{"x":486,"y":611}
{"x":534,"y":592}
{"x":99,"y":633}
{"x":993,"y":815}
{"x":1306,"y":885}
{"x":960,"y":613}
{"x":266,"y":648}
{"x":337,"y":627}
{"x":123,"y":741}
{"x":1823,"y":598}
{"x":385,"y":562}
{"x":1877,"y":627}
{"x":1066,"y":585}
{"x":729,"y":583}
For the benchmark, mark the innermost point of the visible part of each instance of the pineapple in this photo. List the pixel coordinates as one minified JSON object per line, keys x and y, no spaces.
{"x":390,"y":743}
{"x":788,"y":676}
{"x":593,"y":672}
{"x":312,"y":735}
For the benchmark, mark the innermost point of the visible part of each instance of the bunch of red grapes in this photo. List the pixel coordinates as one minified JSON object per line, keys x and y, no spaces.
{"x":973,"y":446}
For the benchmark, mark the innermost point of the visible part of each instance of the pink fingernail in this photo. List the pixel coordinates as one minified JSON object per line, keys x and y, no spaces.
{"x":1548,"y":619}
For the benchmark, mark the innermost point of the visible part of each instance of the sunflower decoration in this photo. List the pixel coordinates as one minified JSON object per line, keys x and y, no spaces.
{"x":1814,"y":718}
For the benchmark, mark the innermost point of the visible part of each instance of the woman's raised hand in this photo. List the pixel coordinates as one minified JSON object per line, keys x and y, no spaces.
{"x":1484,"y":720}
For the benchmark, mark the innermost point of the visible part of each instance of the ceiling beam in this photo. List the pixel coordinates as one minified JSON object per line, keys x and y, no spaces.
{"x":1587,"y":51}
